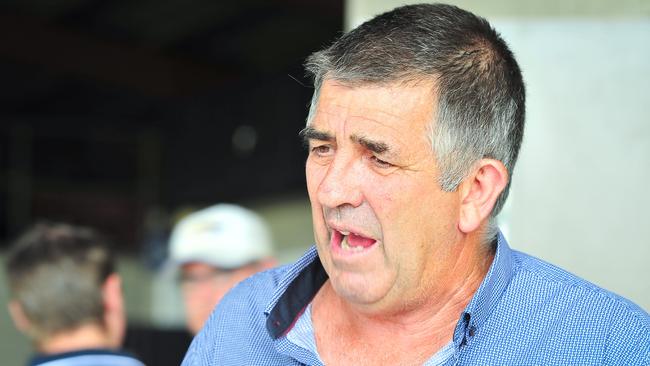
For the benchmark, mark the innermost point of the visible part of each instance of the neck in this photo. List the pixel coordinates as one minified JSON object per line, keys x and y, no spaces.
{"x":84,"y":337}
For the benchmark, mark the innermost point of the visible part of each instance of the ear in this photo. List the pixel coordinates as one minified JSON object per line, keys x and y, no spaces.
{"x":479,"y":192}
{"x":114,"y":314}
{"x":112,"y":292}
{"x":21,"y":322}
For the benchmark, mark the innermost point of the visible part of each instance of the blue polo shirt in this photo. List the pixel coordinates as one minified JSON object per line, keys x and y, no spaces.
{"x":525,"y":312}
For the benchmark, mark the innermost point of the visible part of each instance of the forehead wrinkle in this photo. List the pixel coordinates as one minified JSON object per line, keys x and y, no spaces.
{"x":389,"y":144}
{"x":330,"y":113}
{"x":394,"y":123}
{"x":380,"y":115}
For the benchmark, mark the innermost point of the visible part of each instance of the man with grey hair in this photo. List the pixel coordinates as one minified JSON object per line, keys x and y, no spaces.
{"x":413,"y":133}
{"x":67,"y":297}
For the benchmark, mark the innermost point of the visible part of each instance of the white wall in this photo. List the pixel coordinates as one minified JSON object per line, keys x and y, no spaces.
{"x":581,"y":190}
{"x":580,"y":195}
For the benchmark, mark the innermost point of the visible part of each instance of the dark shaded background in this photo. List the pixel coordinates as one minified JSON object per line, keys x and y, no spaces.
{"x":113,"y":111}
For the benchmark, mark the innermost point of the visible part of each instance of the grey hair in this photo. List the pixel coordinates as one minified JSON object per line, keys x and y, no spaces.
{"x":56,"y":273}
{"x":479,"y":87}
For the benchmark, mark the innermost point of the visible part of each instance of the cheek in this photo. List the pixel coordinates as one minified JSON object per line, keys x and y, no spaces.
{"x":384,"y":195}
{"x":408,"y":210}
{"x":193,"y":299}
{"x":203,"y":297}
{"x":314,"y":175}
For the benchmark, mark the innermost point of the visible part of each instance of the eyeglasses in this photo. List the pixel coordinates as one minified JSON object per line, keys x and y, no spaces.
{"x":214,"y":275}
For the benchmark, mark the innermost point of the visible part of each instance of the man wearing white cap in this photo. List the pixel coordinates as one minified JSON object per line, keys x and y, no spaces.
{"x":216,"y":248}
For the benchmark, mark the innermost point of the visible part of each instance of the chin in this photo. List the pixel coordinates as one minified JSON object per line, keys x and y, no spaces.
{"x":357,"y":289}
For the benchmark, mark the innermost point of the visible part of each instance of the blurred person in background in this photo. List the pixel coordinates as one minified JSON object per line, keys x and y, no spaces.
{"x":67,"y":297}
{"x":215,"y":248}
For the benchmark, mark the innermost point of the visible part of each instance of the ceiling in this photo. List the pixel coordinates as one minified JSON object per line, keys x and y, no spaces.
{"x":157,"y":48}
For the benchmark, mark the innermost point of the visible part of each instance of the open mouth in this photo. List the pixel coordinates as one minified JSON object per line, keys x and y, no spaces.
{"x":351,"y":242}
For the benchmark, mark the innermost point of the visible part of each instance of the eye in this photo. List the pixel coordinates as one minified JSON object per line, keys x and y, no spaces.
{"x":380,"y":163}
{"x":322,"y":150}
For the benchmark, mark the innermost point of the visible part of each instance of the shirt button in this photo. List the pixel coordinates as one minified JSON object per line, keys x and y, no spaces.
{"x":472,"y":330}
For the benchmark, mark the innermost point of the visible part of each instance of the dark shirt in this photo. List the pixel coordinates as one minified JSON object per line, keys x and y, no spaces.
{"x":87,"y":357}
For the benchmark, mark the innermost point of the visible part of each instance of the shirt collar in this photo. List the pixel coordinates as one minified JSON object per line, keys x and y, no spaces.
{"x":488,"y":294}
{"x":302,"y":280}
{"x":294,"y":292}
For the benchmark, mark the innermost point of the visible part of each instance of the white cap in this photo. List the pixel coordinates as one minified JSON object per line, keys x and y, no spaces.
{"x":224,"y":235}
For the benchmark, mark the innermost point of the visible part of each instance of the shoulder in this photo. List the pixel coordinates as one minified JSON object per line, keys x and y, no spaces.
{"x":535,"y":272}
{"x":547,"y":315}
{"x":249,"y":298}
{"x":243,"y":307}
{"x":236,"y":331}
{"x":578,"y":309}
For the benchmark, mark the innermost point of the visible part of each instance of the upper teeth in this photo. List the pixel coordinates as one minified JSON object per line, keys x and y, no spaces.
{"x":346,"y":233}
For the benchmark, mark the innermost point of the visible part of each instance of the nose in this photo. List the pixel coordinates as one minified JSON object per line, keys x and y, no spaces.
{"x":341,"y":184}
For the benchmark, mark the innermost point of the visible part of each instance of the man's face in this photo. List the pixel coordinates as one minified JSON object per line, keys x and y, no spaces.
{"x":203,"y":287}
{"x":381,"y":222}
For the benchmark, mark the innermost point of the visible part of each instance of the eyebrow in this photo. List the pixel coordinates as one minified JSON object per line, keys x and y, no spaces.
{"x":310,"y":133}
{"x":377,"y":147}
